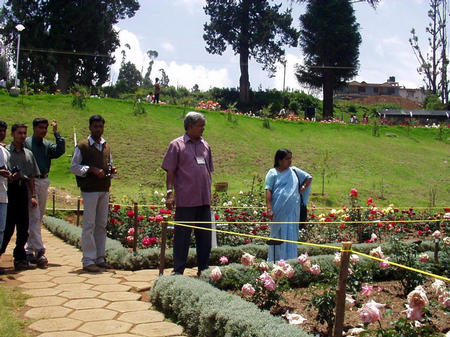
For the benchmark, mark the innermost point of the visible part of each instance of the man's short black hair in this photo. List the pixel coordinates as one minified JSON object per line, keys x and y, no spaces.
{"x":3,"y":125}
{"x":39,"y":120}
{"x":18,"y":126}
{"x":96,"y":118}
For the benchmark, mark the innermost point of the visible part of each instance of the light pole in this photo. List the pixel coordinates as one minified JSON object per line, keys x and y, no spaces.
{"x":283,"y":62}
{"x":19,"y":28}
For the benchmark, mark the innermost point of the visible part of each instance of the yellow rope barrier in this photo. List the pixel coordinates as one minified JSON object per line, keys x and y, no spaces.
{"x":313,"y":222}
{"x":311,"y":244}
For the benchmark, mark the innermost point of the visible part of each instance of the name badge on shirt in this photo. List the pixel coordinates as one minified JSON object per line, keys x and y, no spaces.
{"x":200,"y":160}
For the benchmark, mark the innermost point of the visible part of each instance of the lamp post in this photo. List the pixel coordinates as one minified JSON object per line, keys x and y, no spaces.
{"x":283,"y":62}
{"x":19,"y":28}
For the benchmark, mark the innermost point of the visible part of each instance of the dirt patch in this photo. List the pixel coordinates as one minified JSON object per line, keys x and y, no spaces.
{"x":9,"y":279}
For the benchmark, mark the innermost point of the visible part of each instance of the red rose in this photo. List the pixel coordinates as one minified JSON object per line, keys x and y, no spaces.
{"x":420,"y":233}
{"x":354,"y":192}
{"x":130,"y":214}
{"x":216,"y":216}
{"x":342,"y":226}
{"x":369,"y":201}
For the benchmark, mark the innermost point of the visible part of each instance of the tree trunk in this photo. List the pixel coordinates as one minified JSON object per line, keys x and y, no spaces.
{"x":244,"y":83}
{"x":328,"y":88}
{"x":63,"y":74}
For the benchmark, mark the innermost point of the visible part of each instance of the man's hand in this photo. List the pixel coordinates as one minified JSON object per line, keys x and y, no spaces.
{"x":5,"y":173}
{"x":14,"y":176}
{"x":98,"y":172}
{"x":33,"y":202}
{"x":113,"y":170}
{"x":170,"y":201}
{"x":55,"y":126}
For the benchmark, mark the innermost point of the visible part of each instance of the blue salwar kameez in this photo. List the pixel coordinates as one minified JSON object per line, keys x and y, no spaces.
{"x":286,"y":207}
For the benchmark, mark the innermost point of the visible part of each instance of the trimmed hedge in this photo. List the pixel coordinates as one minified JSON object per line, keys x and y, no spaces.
{"x":205,"y":311}
{"x":120,"y":257}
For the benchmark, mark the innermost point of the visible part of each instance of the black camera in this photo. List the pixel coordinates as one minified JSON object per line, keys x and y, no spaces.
{"x":15,"y":169}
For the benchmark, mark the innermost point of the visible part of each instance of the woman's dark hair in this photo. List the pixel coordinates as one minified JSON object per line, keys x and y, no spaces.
{"x":279,"y":155}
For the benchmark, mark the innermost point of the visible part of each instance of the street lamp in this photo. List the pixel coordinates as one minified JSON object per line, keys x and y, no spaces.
{"x":19,"y":28}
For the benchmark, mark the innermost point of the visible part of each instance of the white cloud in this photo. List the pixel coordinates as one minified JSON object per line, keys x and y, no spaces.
{"x":167,"y":46}
{"x":192,"y":6}
{"x":291,"y":80}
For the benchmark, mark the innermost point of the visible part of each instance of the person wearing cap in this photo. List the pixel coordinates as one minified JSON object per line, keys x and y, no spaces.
{"x":44,"y":151}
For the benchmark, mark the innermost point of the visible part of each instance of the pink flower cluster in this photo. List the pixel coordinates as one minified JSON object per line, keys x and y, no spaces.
{"x":247,"y":259}
{"x":216,"y":274}
{"x":306,"y":264}
{"x":370,"y":312}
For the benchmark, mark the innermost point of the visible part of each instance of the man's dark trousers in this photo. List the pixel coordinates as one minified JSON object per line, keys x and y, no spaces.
{"x":17,"y":215}
{"x":183,"y":237}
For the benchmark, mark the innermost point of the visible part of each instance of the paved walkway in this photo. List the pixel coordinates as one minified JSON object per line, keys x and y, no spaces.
{"x":66,"y":302}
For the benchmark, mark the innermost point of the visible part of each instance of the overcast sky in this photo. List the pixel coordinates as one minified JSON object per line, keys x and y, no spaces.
{"x":174,"y":28}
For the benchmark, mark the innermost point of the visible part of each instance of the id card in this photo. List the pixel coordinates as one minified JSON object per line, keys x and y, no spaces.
{"x":200,"y":160}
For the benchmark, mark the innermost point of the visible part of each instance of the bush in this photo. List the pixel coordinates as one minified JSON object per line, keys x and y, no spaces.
{"x":206,"y":311}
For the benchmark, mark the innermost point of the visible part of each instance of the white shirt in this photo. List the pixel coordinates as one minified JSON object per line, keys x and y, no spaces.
{"x":81,"y":170}
{"x":4,"y":155}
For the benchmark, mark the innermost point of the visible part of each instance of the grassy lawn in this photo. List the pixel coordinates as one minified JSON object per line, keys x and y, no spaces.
{"x":402,"y":166}
{"x":11,"y":301}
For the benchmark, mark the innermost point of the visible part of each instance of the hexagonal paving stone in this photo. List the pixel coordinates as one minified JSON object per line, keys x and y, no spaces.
{"x":34,"y":278}
{"x":125,"y":306}
{"x":73,"y":286}
{"x":55,"y":324}
{"x":144,"y":316}
{"x":53,"y":311}
{"x":81,"y":293}
{"x":65,"y":334}
{"x":111,"y":287}
{"x":91,"y":315}
{"x":45,"y":301}
{"x":69,"y":279}
{"x":158,"y":329}
{"x":38,"y":285}
{"x":90,"y":303}
{"x":105,"y":327}
{"x":123,"y":335}
{"x":120,"y":296}
{"x":103,"y":280}
{"x":139,"y":286}
{"x":143,"y":277}
{"x":41,"y":292}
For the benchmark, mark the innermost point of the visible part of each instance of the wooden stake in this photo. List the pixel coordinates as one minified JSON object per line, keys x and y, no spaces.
{"x":136,"y":227}
{"x":78,"y":211}
{"x":436,"y":251}
{"x":340,"y":291}
{"x":162,"y":256}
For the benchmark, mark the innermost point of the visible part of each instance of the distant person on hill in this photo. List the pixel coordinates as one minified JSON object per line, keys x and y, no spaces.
{"x":21,"y":194}
{"x":92,"y":166}
{"x":285,"y":186}
{"x":4,"y":175}
{"x":44,"y":151}
{"x":157,"y":90}
{"x":2,"y":83}
{"x":189,"y":164}
{"x":365,"y":119}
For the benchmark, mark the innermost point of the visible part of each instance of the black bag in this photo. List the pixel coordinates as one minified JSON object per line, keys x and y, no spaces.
{"x":303,"y":208}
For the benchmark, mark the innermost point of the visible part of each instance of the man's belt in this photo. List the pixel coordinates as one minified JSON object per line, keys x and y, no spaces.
{"x":42,"y":176}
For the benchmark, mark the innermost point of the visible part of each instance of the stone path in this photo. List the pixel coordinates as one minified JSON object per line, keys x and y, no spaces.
{"x":67,"y":302}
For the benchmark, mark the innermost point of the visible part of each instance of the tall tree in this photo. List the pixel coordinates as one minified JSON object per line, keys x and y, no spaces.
{"x":152,"y":55}
{"x":433,"y":66}
{"x":129,"y":74}
{"x":252,"y":29}
{"x":164,"y":78}
{"x":73,"y":39}
{"x":330,"y":42}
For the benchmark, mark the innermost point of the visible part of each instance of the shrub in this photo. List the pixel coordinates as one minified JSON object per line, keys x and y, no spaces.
{"x":206,"y":311}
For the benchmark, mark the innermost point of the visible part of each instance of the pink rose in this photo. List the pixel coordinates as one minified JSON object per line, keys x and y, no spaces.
{"x":424,"y":257}
{"x":146,"y":241}
{"x":385,"y":264}
{"x":350,"y":272}
{"x":366,"y":290}
{"x":315,"y":269}
{"x":277,"y":273}
{"x":223,"y":260}
{"x":263,"y":266}
{"x":247,"y":289}
{"x":437,"y":234}
{"x":337,"y":259}
{"x":438,"y":286}
{"x":130,"y":238}
{"x":216,"y":274}
{"x":247,"y":259}
{"x":269,"y":284}
{"x":446,"y":241}
{"x":417,"y":298}
{"x":349,"y":300}
{"x":303,"y":258}
{"x":282,"y":263}
{"x":354,"y":259}
{"x":131,"y":231}
{"x":414,"y":314}
{"x":370,"y":312}
{"x":377,"y":252}
{"x":159,"y":218}
{"x":374,"y":237}
{"x":264,"y":276}
{"x":289,"y":272}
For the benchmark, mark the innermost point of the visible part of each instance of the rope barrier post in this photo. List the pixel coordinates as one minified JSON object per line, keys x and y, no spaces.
{"x":54,"y":201}
{"x":340,"y":291}
{"x":436,"y":251}
{"x":162,"y":255}
{"x":78,"y":212}
{"x":136,"y":227}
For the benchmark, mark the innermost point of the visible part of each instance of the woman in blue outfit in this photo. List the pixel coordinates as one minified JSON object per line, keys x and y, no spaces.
{"x":284,"y":184}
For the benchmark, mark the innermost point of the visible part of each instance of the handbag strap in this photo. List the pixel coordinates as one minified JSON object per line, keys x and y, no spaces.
{"x":298,"y":178}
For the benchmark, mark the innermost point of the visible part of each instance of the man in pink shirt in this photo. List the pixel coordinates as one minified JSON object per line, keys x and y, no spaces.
{"x":188,"y":163}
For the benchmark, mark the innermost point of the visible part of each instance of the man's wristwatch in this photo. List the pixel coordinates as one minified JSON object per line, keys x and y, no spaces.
{"x":169,"y":191}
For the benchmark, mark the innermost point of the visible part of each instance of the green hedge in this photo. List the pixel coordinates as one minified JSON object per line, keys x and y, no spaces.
{"x":205,"y":311}
{"x":120,"y":257}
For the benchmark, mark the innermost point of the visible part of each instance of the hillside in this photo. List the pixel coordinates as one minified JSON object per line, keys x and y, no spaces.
{"x":404,"y":103}
{"x":402,"y":166}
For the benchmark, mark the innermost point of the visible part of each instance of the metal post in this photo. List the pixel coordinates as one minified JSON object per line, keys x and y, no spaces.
{"x":17,"y":61}
{"x":54,"y":201}
{"x":78,"y":211}
{"x":340,"y":291}
{"x":162,"y":256}
{"x":136,"y":227}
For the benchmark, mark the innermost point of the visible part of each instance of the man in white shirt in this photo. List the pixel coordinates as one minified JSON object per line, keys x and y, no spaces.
{"x":92,"y":166}
{"x":4,"y":175}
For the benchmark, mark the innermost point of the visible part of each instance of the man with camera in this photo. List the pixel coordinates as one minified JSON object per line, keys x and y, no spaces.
{"x":44,"y":151}
{"x":21,"y":192}
{"x":92,"y":166}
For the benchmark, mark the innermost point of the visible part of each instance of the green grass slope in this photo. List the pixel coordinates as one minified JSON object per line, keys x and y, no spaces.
{"x":401,"y":165}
